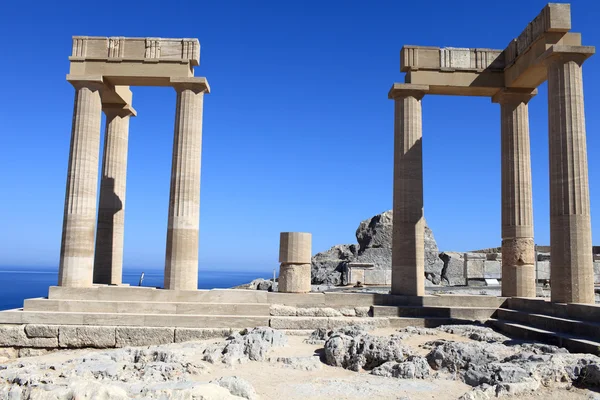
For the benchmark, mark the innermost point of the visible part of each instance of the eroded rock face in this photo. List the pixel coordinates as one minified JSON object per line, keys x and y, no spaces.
{"x":154,"y":372}
{"x":374,"y":237}
{"x":363,"y":351}
{"x":327,"y":266}
{"x":511,"y":369}
{"x":245,"y":346}
{"x":415,"y":367}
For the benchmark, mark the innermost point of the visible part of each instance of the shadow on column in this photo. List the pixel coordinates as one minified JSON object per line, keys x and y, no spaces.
{"x":110,"y":204}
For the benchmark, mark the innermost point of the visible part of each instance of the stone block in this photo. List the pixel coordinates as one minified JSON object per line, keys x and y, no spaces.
{"x":378,"y":277}
{"x":295,"y":299}
{"x":333,"y":299}
{"x":294,"y":278}
{"x":86,"y":336}
{"x":298,"y":322}
{"x":368,"y":323}
{"x":14,"y":336}
{"x":455,"y":270}
{"x":283,"y":311}
{"x":475,"y":268}
{"x":492,"y":269}
{"x":475,"y":256}
{"x":596,"y":272}
{"x":355,"y":275}
{"x":40,"y":304}
{"x":317,"y":312}
{"x":543,"y":270}
{"x":143,"y":336}
{"x":295,"y":247}
{"x":11,"y":317}
{"x":193,"y":334}
{"x":41,"y":331}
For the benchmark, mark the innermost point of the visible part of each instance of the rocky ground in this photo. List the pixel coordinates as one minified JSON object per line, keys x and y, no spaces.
{"x":450,"y":362}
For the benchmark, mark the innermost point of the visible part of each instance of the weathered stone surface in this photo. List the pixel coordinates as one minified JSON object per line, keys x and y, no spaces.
{"x":475,"y":265}
{"x":245,"y":346}
{"x":281,"y":310}
{"x":348,"y":312}
{"x":41,"y":331}
{"x":317,"y":312}
{"x":259,"y":284}
{"x":301,"y":363}
{"x":475,"y":332}
{"x":453,"y":270}
{"x":8,"y":352}
{"x":87,"y":336}
{"x":374,"y":237}
{"x":362,"y":311}
{"x":492,"y":269}
{"x":237,"y":387}
{"x":414,"y":367}
{"x":363,"y":351}
{"x":32,"y":352}
{"x":294,"y":278}
{"x":193,"y":334}
{"x":143,"y":336}
{"x":327,"y":266}
{"x":14,"y":336}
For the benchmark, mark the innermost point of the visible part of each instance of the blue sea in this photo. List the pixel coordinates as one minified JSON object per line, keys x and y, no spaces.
{"x":19,"y":283}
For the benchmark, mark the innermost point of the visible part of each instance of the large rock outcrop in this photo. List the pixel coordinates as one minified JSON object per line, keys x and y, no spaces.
{"x":374,"y":237}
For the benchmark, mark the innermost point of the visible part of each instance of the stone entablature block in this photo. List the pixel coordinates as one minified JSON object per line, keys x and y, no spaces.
{"x":554,"y":17}
{"x":136,"y":49}
{"x":413,"y":58}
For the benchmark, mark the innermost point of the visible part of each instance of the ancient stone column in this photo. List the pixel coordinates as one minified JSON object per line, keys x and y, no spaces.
{"x":108,"y":260}
{"x":408,"y":253}
{"x":77,"y":247}
{"x":181,"y":265}
{"x":295,"y":251}
{"x":518,"y":247}
{"x":571,"y":264}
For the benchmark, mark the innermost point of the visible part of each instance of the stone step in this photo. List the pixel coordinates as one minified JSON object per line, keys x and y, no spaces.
{"x":587,"y":329}
{"x":137,"y":293}
{"x":434,"y":322}
{"x":572,"y":343}
{"x":463,"y":313}
{"x":147,"y":307}
{"x":327,"y":299}
{"x":130,"y":319}
{"x":574,"y":311}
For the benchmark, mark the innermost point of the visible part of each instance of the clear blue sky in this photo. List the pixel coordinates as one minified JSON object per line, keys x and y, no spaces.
{"x":298,"y":130}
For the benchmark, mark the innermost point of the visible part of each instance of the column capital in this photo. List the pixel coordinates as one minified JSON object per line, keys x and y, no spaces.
{"x":563,"y":54}
{"x":400,"y":90}
{"x":514,"y":95}
{"x":118,"y":110}
{"x":196,"y":84}
{"x":94,"y":82}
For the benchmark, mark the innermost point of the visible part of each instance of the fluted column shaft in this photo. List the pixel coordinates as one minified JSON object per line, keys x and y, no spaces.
{"x":181,"y":265}
{"x":572,"y":274}
{"x":408,"y":253}
{"x":108,"y":260}
{"x":77,"y":247}
{"x":518,"y":246}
